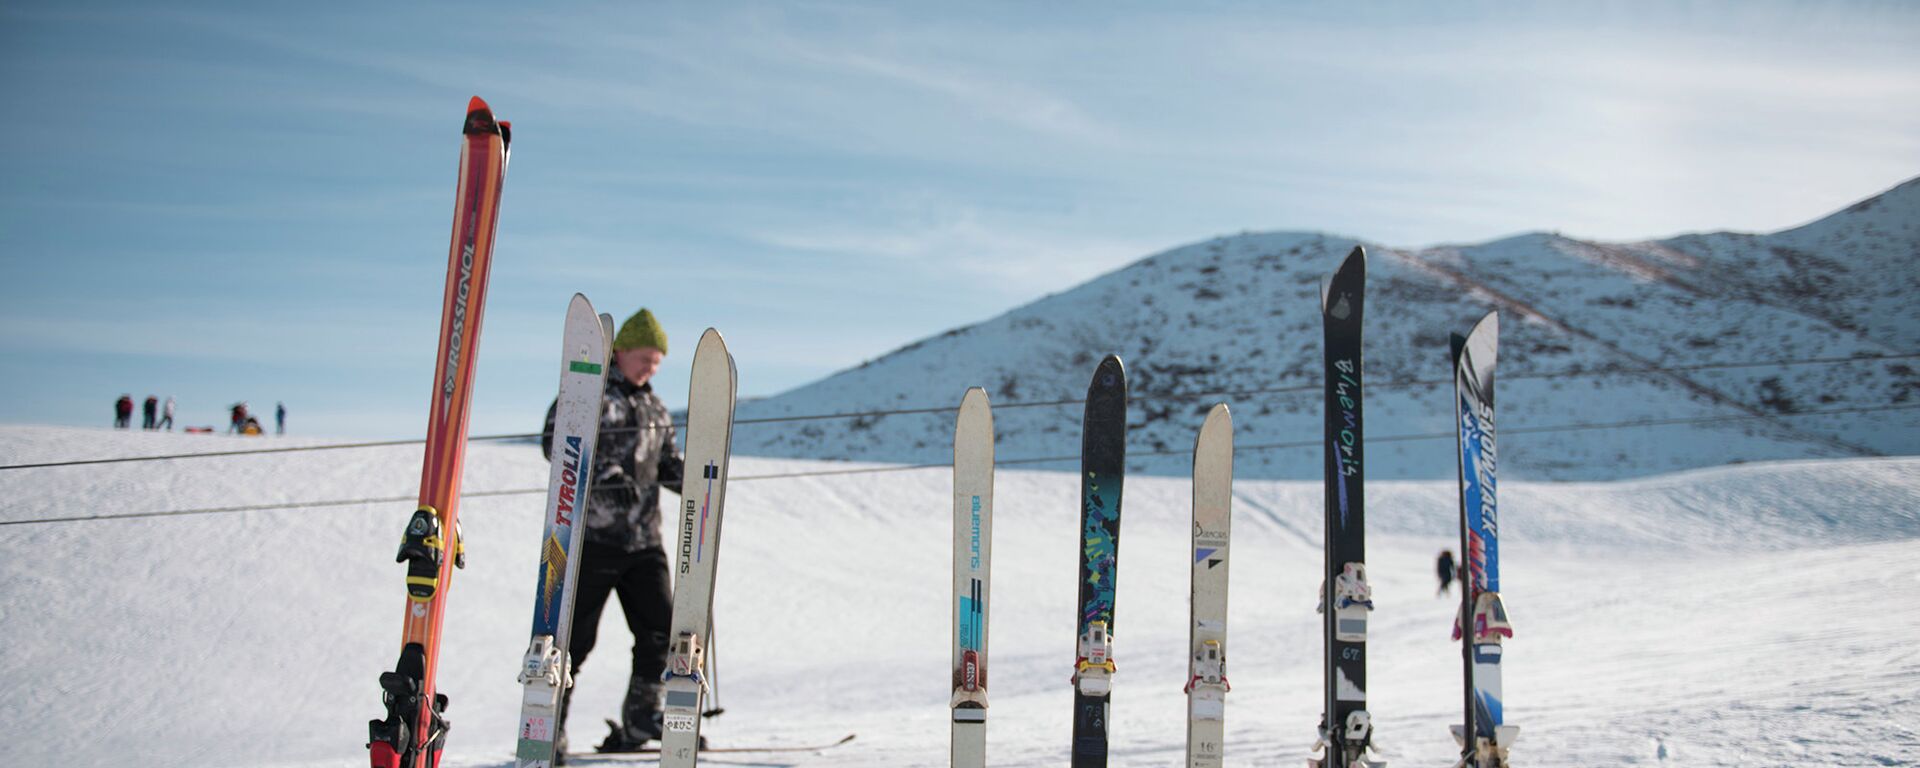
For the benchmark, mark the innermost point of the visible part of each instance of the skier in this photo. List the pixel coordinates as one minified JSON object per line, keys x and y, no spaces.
{"x":623,"y":550}
{"x":148,"y":411}
{"x":123,"y":412}
{"x":280,"y":418}
{"x":1445,"y":570}
{"x":239,"y":422}
{"x":166,"y":414}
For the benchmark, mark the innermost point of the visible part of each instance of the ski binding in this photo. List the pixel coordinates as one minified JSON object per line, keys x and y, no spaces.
{"x":1210,"y":680}
{"x":423,"y":549}
{"x":1093,"y":672}
{"x":1352,"y":599}
{"x":543,"y":665}
{"x":686,"y":660}
{"x":1486,"y":753}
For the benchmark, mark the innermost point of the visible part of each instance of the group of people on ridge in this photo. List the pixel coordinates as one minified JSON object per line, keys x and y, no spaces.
{"x":123,"y":413}
{"x":155,"y":416}
{"x":242,"y":422}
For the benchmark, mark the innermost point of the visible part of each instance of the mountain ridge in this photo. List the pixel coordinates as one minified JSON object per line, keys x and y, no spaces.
{"x":1239,"y":314}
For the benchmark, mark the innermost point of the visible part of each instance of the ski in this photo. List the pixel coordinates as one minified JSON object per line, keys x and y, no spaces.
{"x":1346,"y":728}
{"x":1207,"y":625}
{"x":414,"y":731}
{"x":1482,"y":621}
{"x":710,"y":402}
{"x":972,"y":571}
{"x":547,"y":671}
{"x":1103,"y":459}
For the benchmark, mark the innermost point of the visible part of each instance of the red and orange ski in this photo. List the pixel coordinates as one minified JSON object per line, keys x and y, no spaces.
{"x":415,"y":729}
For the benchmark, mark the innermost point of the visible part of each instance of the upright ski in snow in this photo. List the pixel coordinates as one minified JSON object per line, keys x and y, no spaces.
{"x":414,"y":731}
{"x":547,"y":670}
{"x":1482,"y":621}
{"x":1346,"y":729}
{"x":709,"y":444}
{"x":972,"y":570}
{"x":1207,"y":628}
{"x":1103,"y":463}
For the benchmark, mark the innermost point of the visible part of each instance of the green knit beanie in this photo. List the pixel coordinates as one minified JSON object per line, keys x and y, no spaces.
{"x":641,"y":330}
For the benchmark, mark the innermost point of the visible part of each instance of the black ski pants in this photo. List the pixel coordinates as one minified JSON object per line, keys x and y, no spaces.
{"x":646,"y":597}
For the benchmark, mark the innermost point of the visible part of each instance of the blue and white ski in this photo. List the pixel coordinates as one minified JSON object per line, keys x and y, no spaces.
{"x":1482,"y":622}
{"x":547,"y":672}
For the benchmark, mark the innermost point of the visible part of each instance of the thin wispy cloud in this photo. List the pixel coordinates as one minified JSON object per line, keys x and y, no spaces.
{"x":826,"y":181}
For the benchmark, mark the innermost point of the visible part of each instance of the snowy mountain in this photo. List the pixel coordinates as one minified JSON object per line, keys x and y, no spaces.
{"x":1594,"y":334}
{"x":1754,"y":615}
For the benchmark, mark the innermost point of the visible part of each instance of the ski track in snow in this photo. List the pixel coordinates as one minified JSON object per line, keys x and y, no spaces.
{"x":1752,"y":615}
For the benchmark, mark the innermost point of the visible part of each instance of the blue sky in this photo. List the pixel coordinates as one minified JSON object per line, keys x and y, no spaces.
{"x":225,"y":202}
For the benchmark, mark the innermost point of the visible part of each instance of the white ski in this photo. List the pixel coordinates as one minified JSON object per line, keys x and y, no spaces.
{"x":972,"y":559}
{"x":703,"y":496}
{"x":547,"y":671}
{"x":1207,"y":631}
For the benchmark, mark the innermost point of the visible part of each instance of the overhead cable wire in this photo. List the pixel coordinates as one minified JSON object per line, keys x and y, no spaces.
{"x":889,"y":468}
{"x":1241,"y":393}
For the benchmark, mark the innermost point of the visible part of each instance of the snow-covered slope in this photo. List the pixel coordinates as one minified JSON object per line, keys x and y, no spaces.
{"x":1754,"y":615}
{"x":1240,"y":314}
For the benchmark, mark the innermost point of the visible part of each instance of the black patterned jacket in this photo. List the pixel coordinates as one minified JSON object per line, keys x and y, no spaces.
{"x":636,"y":457}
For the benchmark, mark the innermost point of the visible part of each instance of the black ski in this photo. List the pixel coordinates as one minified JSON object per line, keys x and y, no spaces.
{"x":1346,"y":729}
{"x":1103,"y":460}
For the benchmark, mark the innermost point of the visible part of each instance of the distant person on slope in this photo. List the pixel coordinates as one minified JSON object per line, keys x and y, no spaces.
{"x":1445,"y":568}
{"x":623,"y":552}
{"x":279,"y":418}
{"x":149,"y":412}
{"x":239,"y":423}
{"x":123,"y":412}
{"x":166,"y":415}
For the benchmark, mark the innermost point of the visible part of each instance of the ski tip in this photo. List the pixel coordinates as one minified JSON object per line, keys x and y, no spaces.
{"x":1112,"y":374}
{"x":480,"y":118}
{"x":1351,"y":275}
{"x":1220,"y":415}
{"x":1355,"y":259}
{"x":973,"y":428}
{"x":712,"y":341}
{"x":1481,"y":348}
{"x":1488,"y":325}
{"x":580,"y":310}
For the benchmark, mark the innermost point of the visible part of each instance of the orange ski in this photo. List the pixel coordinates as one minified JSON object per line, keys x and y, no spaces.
{"x":415,"y":728}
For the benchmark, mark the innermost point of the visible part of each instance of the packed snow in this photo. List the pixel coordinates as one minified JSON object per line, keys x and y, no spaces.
{"x":1750,"y":615}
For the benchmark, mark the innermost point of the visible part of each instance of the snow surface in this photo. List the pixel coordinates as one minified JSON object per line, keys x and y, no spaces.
{"x":1751,"y":615}
{"x":1241,"y":313}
